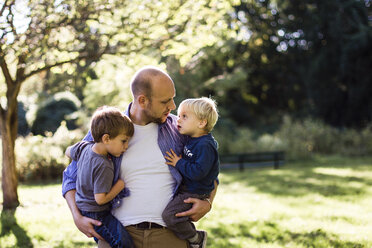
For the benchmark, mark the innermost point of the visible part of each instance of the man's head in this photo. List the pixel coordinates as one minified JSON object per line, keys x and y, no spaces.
{"x":153,"y":90}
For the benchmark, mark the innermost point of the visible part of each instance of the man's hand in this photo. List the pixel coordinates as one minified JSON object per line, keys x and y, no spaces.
{"x":197,"y":211}
{"x":86,"y":226}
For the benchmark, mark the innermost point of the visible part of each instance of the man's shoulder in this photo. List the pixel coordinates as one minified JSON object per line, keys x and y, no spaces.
{"x":170,"y":122}
{"x":172,"y":117}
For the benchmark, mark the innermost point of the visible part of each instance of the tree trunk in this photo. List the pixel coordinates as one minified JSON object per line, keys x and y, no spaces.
{"x":8,"y":127}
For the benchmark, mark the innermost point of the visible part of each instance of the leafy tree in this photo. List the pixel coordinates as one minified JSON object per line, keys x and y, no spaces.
{"x":40,"y":35}
{"x":306,"y":58}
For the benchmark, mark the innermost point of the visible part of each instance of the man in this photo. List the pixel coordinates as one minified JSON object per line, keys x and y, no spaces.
{"x":142,"y":167}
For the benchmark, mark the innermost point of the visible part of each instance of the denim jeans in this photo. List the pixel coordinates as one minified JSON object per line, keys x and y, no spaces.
{"x":111,"y":229}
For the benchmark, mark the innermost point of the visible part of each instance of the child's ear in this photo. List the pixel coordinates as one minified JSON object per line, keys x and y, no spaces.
{"x":105,"y":138}
{"x":202,"y":124}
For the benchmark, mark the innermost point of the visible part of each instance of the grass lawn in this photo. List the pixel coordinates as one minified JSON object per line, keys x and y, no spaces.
{"x":326,"y":202}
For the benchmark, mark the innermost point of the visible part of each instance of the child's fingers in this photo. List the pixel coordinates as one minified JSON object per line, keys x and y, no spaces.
{"x":173,"y":153}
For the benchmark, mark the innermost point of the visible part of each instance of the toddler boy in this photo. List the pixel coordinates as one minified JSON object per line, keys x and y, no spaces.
{"x":199,"y":166}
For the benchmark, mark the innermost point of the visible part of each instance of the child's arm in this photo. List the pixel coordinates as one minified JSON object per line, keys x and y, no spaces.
{"x":103,"y":198}
{"x":198,"y":169}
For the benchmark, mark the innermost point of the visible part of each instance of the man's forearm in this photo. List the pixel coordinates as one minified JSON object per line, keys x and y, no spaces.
{"x":70,"y":199}
{"x":213,"y":193}
{"x":84,"y":224}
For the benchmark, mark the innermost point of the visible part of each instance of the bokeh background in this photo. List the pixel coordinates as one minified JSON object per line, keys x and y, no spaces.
{"x":288,"y":75}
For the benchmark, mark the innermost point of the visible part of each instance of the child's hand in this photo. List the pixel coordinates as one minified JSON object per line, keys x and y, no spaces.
{"x":172,"y":158}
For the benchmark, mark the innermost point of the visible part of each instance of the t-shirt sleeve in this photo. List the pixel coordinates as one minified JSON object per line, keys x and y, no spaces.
{"x":102,"y":177}
{"x":76,"y":149}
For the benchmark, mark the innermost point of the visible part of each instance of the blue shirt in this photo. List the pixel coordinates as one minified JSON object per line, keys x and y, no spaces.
{"x":199,"y":165}
{"x":168,"y":138}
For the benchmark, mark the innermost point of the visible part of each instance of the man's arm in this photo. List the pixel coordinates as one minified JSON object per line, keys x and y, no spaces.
{"x":199,"y":207}
{"x":84,"y":224}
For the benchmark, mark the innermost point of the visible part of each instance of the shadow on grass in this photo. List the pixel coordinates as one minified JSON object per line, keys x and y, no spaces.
{"x":63,"y":244}
{"x":300,"y":180}
{"x":9,"y":224}
{"x":270,"y":233}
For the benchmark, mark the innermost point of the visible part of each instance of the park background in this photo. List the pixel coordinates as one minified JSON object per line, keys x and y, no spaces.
{"x":287,"y":75}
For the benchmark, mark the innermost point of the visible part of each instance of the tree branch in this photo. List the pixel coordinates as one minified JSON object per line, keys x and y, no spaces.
{"x":10,"y":19}
{"x":4,"y":6}
{"x":63,"y":62}
{"x":4,"y":67}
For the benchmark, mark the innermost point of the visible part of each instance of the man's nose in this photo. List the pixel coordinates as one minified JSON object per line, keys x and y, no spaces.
{"x":172,"y":105}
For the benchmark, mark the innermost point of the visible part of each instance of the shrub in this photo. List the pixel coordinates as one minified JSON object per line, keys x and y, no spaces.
{"x":52,"y":111}
{"x":355,"y":143}
{"x":232,"y":139}
{"x":308,"y":137}
{"x":23,"y":128}
{"x":299,"y":139}
{"x":304,"y":138}
{"x":41,"y":158}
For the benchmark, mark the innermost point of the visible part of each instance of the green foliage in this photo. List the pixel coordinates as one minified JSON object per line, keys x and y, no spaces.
{"x":304,"y":58}
{"x":299,"y":139}
{"x":112,"y":85}
{"x":232,"y":141}
{"x":42,"y":158}
{"x":52,"y":111}
{"x":305,"y":138}
{"x":23,"y":128}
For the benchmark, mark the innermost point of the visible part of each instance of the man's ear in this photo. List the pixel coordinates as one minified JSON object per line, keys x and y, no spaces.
{"x":142,"y":100}
{"x":105,"y":138}
{"x":202,"y":124}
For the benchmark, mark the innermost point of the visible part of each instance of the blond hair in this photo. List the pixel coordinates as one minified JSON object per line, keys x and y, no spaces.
{"x":204,"y":108}
{"x":111,"y":121}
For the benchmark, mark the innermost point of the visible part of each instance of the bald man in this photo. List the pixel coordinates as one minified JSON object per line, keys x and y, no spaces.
{"x":151,"y":182}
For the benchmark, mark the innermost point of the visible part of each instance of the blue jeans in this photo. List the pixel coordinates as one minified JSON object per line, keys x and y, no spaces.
{"x":111,"y":229}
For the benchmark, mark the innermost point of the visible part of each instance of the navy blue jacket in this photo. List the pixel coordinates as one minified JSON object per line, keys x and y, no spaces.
{"x":199,"y":165}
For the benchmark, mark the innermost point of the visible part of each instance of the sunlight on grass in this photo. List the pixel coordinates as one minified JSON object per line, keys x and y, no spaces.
{"x":303,"y":204}
{"x":296,"y":206}
{"x":47,"y":219}
{"x":344,"y":172}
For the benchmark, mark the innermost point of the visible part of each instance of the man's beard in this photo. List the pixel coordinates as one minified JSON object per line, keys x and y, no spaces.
{"x":151,"y":118}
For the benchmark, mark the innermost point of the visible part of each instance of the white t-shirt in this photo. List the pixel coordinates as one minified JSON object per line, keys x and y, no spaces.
{"x":148,"y":178}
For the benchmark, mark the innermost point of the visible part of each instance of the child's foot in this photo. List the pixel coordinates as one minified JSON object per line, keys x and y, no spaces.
{"x":202,"y":240}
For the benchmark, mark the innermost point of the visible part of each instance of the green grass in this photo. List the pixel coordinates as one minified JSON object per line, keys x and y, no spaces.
{"x":326,"y":202}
